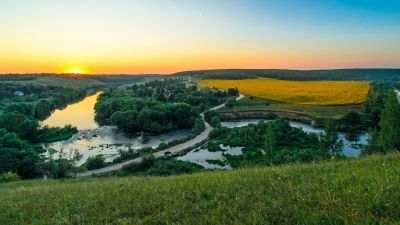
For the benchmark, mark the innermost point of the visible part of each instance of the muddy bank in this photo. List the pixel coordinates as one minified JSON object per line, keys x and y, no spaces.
{"x":269,"y":114}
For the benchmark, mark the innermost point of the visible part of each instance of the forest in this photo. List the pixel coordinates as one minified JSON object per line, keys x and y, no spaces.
{"x":156,"y":106}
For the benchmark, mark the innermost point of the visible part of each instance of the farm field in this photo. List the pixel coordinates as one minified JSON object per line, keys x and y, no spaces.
{"x":298,"y":92}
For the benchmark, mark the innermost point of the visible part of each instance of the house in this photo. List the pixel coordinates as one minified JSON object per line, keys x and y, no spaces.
{"x":19,"y":93}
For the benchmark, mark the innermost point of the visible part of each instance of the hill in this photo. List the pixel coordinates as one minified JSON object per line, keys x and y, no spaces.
{"x":363,"y":191}
{"x":336,"y":74}
{"x":75,"y":80}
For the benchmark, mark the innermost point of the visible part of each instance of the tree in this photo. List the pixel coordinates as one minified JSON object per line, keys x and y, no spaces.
{"x":22,"y":125}
{"x":215,"y":121}
{"x":233,"y":91}
{"x":389,"y":138}
{"x":373,"y":143}
{"x":231,"y":102}
{"x":329,"y":140}
{"x":18,"y":156}
{"x":270,"y":141}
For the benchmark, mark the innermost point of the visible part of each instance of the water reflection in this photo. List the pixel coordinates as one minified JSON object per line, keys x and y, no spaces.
{"x":80,"y":115}
{"x":352,"y":142}
{"x":108,"y":141}
{"x":202,"y":156}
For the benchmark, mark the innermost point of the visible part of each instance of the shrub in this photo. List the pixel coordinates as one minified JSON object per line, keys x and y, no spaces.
{"x":95,"y":162}
{"x":9,"y":177}
{"x":231,"y":102}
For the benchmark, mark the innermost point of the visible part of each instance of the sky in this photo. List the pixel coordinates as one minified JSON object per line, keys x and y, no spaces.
{"x":167,"y":36}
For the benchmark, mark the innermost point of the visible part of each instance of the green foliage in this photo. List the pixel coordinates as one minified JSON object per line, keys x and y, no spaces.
{"x":47,"y":134}
{"x":301,"y":75}
{"x":389,"y":138}
{"x":231,"y":102}
{"x":280,"y":142}
{"x":233,"y":91}
{"x":95,"y":162}
{"x":329,"y":140}
{"x":198,"y":126}
{"x":25,"y":127}
{"x":215,"y":121}
{"x":357,"y":191}
{"x":18,"y":156}
{"x":270,"y":141}
{"x":59,"y":168}
{"x":156,"y":107}
{"x":373,"y":145}
{"x":214,"y":147}
{"x":160,"y":167}
{"x":9,"y":177}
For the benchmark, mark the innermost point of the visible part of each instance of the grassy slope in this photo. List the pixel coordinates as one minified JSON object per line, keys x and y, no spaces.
{"x":352,"y":191}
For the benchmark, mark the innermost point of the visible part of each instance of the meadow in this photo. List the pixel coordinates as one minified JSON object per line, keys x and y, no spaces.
{"x":298,"y":92}
{"x":362,"y":191}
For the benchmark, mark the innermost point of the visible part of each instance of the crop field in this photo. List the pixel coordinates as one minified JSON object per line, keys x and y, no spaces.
{"x":298,"y":92}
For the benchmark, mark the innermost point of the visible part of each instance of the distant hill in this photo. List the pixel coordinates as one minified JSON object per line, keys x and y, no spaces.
{"x":77,"y":80}
{"x":358,"y":191}
{"x":337,"y":74}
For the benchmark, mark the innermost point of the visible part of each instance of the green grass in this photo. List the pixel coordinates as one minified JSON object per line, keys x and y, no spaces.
{"x":363,"y":191}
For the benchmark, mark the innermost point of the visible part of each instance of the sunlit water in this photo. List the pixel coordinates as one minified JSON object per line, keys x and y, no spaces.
{"x":92,"y":140}
{"x":108,"y":141}
{"x":80,"y":115}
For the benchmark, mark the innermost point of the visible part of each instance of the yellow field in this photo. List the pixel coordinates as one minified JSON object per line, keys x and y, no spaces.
{"x":298,"y":92}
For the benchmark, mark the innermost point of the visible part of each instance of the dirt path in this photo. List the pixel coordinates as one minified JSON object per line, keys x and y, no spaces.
{"x":170,"y":151}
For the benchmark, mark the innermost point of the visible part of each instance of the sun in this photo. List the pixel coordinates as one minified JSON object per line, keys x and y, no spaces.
{"x":75,"y":71}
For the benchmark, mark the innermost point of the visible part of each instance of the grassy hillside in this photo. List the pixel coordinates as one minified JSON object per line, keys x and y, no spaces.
{"x":361,"y":191}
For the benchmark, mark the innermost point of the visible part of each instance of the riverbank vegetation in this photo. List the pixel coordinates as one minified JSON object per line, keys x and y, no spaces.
{"x":339,"y":192}
{"x":22,"y":106}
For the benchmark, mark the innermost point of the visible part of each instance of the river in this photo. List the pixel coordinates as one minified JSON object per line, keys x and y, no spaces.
{"x":80,"y":115}
{"x":93,"y":140}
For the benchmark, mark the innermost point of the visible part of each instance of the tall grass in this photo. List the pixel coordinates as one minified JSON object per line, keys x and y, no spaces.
{"x":363,"y":191}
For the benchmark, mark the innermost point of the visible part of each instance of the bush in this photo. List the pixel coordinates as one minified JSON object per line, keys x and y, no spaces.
{"x":231,"y":102}
{"x":214,"y":147}
{"x":95,"y":162}
{"x":9,"y":177}
{"x":215,"y":121}
{"x":162,"y":146}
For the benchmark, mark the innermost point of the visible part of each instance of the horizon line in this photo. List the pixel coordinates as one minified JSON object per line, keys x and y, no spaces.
{"x":183,"y":71}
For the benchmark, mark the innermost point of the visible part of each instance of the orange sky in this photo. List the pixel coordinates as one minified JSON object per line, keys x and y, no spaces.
{"x":138,"y":37}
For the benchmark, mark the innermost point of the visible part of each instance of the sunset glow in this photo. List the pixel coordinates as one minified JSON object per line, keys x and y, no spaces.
{"x":75,"y":71}
{"x":168,"y":36}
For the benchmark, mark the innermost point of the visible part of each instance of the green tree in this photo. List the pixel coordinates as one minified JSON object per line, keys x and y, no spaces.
{"x":373,"y":143}
{"x":215,"y":121}
{"x":329,"y":140}
{"x":270,"y":141}
{"x":231,"y":102}
{"x":389,"y":138}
